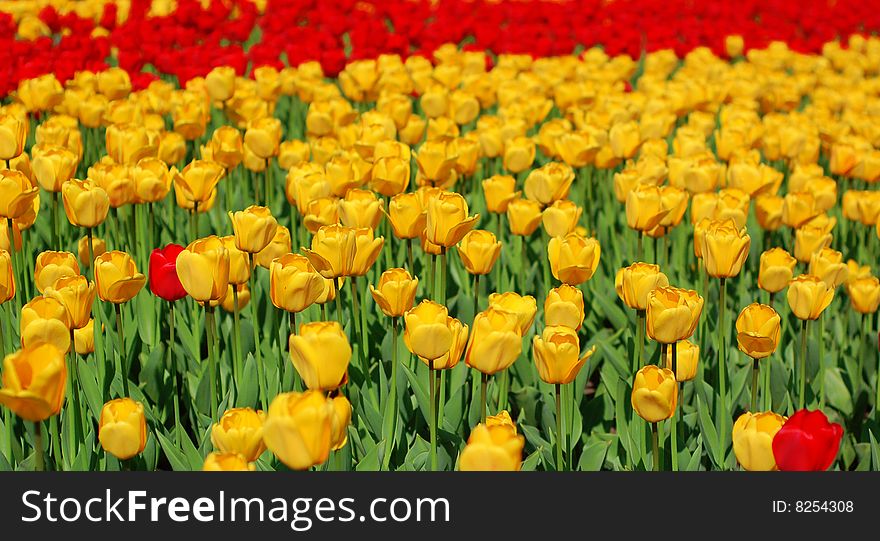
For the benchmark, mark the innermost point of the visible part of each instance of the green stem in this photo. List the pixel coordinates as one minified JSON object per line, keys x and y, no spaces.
{"x":560,"y":438}
{"x":476,"y":293}
{"x":409,"y":257}
{"x":756,"y":369}
{"x":392,"y":401}
{"x":173,"y":366}
{"x":857,"y":379}
{"x":674,"y":429}
{"x":56,"y":237}
{"x":802,"y":379}
{"x":820,"y":330}
{"x":443,"y":276}
{"x":484,"y":384}
{"x":212,"y":358}
{"x":38,"y":447}
{"x":640,"y":249}
{"x":655,"y":446}
{"x":640,"y":341}
{"x":261,"y":380}
{"x":503,"y":386}
{"x":362,"y":352}
{"x":432,"y":284}
{"x":236,"y":338}
{"x":724,"y":412}
{"x":123,"y":363}
{"x":765,"y":386}
{"x":337,"y":283}
{"x":432,"y":378}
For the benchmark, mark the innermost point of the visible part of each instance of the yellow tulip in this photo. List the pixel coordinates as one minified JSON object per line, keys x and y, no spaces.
{"x":798,"y":208}
{"x":561,"y":218}
{"x":492,"y":448}
{"x":495,"y":342}
{"x":390,"y":175}
{"x":634,"y":283}
{"x":226,"y":462}
{"x":279,"y":246}
{"x":115,"y":180}
{"x":254,"y":228}
{"x":340,"y":422}
{"x":753,"y":440}
{"x":122,"y":428}
{"x":294,"y":284}
{"x":864,"y":294}
{"x":776,"y":270}
{"x":7,"y":277}
{"x":524,"y":306}
{"x":644,"y":208}
{"x":45,"y":320}
{"x":808,"y":296}
{"x":564,"y":306}
{"x":448,"y":221}
{"x":13,"y":134}
{"x":152,"y":180}
{"x":220,"y":83}
{"x":768,"y":211}
{"x":263,"y":137}
{"x":828,"y":265}
{"x":34,"y":381}
{"x":197,"y":181}
{"x":655,"y":393}
{"x":240,"y":431}
{"x":333,"y":251}
{"x":435,"y":337}
{"x":117,"y":277}
{"x":573,"y":258}
{"x":407,"y":215}
{"x":85,"y":203}
{"x":203,"y":269}
{"x":672,"y":314}
{"x":503,"y":420}
{"x":294,"y":153}
{"x":548,"y":183}
{"x":228,"y":300}
{"x":809,"y":239}
{"x":82,"y":249}
{"x":53,"y":166}
{"x":499,"y":191}
{"x":51,"y":266}
{"x":519,"y":154}
{"x":77,"y":295}
{"x":396,"y":292}
{"x":298,"y":428}
{"x":524,"y":216}
{"x":320,"y":212}
{"x":687,"y":359}
{"x":127,"y":143}
{"x":725,"y":248}
{"x":239,"y":262}
{"x":558,"y":354}
{"x":757,"y":330}
{"x":84,"y":338}
{"x":361,"y":208}
{"x":17,"y":193}
{"x":172,"y":148}
{"x":366,"y":251}
{"x":321,"y":353}
{"x":436,"y":163}
{"x":479,"y":250}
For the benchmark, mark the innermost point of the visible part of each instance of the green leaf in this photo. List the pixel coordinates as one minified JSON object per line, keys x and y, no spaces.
{"x":694,"y":463}
{"x":531,"y":461}
{"x":419,"y":390}
{"x":175,"y":456}
{"x":836,"y":391}
{"x":593,"y":456}
{"x":709,"y":433}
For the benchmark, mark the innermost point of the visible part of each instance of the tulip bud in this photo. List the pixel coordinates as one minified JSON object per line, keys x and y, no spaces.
{"x":492,"y":448}
{"x":396,"y":292}
{"x":725,"y":248}
{"x":525,"y":307}
{"x":561,"y":218}
{"x":634,"y":283}
{"x":122,"y":428}
{"x":254,"y":228}
{"x":864,"y":294}
{"x":435,"y":337}
{"x":672,"y":314}
{"x":263,"y":137}
{"x":753,"y":435}
{"x":557,"y":354}
{"x":810,"y":239}
{"x":808,"y":296}
{"x":7,"y":277}
{"x":757,"y":330}
{"x":298,"y":428}
{"x":77,"y":295}
{"x":240,"y":431}
{"x":34,"y":381}
{"x":775,"y":270}
{"x":366,"y":251}
{"x":573,"y":258}
{"x":294,"y":284}
{"x":220,"y":83}
{"x":361,"y":208}
{"x":197,"y":181}
{"x":495,"y":342}
{"x":407,"y":216}
{"x":85,"y":203}
{"x":203,"y":269}
{"x":340,"y":422}
{"x":655,"y":393}
{"x":44,"y":320}
{"x":499,"y":191}
{"x":479,"y":250}
{"x":53,"y":166}
{"x":564,"y":306}
{"x":519,"y":154}
{"x":321,"y":354}
{"x":13,"y":134}
{"x":447,"y":219}
{"x":548,"y":183}
{"x":117,"y":277}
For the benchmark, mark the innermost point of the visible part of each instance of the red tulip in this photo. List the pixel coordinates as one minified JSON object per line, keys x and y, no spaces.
{"x":164,"y":282}
{"x":807,"y":442}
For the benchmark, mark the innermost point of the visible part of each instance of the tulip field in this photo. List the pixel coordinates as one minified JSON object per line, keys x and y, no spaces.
{"x":420,"y":236}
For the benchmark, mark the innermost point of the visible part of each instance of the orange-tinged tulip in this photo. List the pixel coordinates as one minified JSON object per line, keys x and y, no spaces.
{"x":655,"y":393}
{"x":117,"y":277}
{"x":122,"y":428}
{"x":396,"y":292}
{"x":573,"y":258}
{"x":34,"y":381}
{"x":294,"y":284}
{"x":558,"y":354}
{"x":339,"y":424}
{"x":757,"y":330}
{"x":768,"y":211}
